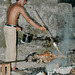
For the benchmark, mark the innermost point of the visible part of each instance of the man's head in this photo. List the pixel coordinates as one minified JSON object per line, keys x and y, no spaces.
{"x":21,"y":2}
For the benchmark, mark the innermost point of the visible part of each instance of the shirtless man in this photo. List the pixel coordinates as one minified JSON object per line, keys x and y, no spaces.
{"x":10,"y":29}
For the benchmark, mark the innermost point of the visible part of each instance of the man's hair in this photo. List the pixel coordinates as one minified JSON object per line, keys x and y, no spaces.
{"x":16,"y":0}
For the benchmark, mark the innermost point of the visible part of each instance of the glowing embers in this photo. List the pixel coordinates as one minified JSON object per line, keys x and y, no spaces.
{"x":40,"y":58}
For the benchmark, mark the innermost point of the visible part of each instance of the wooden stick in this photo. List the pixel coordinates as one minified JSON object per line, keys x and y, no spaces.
{"x":59,"y":56}
{"x":8,"y":69}
{"x":34,"y":12}
{"x":0,"y":68}
{"x":3,"y":69}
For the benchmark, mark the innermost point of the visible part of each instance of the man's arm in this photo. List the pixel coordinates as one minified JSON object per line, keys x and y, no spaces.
{"x":21,"y":10}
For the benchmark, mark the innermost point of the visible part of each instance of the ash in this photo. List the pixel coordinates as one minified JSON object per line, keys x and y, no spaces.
{"x":63,"y":70}
{"x":59,"y":71}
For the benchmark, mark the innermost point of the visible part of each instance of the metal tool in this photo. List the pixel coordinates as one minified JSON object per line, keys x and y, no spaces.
{"x":42,"y":23}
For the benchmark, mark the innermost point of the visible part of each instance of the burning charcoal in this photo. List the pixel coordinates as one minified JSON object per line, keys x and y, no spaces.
{"x":40,"y":58}
{"x":44,"y":57}
{"x":30,"y":57}
{"x":34,"y":60}
{"x":38,"y":61}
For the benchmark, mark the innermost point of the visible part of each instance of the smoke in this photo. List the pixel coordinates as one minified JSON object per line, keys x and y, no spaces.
{"x":64,"y":48}
{"x":65,"y":43}
{"x":67,"y":32}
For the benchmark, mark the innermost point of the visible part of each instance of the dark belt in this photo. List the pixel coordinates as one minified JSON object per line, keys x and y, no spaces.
{"x":10,"y":25}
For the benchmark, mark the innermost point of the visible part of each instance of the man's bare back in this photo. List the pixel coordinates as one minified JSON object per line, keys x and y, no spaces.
{"x":12,"y":14}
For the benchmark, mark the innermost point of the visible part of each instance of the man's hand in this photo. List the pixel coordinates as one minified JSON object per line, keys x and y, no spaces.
{"x":42,"y":28}
{"x":18,"y":28}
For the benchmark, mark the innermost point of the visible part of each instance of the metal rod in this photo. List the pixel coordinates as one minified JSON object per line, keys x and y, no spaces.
{"x":11,"y":61}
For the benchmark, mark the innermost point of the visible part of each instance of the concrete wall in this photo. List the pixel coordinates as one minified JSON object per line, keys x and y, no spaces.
{"x":55,"y":15}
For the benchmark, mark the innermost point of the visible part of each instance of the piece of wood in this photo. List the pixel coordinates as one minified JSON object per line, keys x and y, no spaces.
{"x":59,"y":56}
{"x":8,"y":69}
{"x":0,"y":69}
{"x":3,"y":69}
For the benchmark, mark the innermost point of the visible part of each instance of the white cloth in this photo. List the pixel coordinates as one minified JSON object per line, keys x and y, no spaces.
{"x":10,"y":40}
